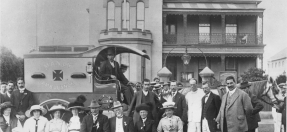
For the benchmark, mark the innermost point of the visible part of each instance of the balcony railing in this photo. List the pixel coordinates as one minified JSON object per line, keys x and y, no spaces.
{"x":212,"y":38}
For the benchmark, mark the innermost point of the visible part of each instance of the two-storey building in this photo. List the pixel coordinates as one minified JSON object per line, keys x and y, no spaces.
{"x":229,"y":32}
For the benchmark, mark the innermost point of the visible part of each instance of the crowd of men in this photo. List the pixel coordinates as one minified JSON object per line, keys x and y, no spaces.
{"x":197,"y":108}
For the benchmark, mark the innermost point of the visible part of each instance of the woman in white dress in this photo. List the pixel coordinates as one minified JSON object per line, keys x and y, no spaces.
{"x":77,"y":116}
{"x":56,"y":124}
{"x":170,"y":123}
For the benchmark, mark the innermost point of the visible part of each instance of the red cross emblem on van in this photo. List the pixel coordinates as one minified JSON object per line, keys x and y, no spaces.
{"x":58,"y":75}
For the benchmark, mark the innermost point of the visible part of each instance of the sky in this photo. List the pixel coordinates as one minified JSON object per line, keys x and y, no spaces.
{"x":13,"y":12}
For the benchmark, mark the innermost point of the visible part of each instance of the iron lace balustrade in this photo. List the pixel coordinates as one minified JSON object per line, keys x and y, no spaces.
{"x":212,"y":38}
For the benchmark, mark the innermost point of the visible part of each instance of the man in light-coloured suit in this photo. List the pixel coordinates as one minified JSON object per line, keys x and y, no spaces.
{"x":235,"y":106}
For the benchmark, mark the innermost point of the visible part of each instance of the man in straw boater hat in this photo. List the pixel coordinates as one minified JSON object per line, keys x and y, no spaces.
{"x":8,"y":121}
{"x":170,"y":123}
{"x":110,"y":69}
{"x":36,"y":122}
{"x":145,"y":124}
{"x":95,"y":122}
{"x":254,"y":118}
{"x":56,"y":124}
{"x":120,"y":122}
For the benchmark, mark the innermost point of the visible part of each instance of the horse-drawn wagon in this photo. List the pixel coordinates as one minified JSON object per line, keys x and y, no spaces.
{"x":61,"y":73}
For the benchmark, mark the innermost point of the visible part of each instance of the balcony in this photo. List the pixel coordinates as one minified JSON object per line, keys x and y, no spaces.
{"x":212,"y":38}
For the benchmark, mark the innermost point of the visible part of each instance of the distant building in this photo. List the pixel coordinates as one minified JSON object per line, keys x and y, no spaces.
{"x":277,"y":64}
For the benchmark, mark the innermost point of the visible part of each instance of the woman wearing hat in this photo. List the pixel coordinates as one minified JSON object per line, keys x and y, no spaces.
{"x":170,"y":123}
{"x":56,"y":124}
{"x":36,"y":122}
{"x":75,"y":119}
{"x":145,"y":124}
{"x":7,"y":121}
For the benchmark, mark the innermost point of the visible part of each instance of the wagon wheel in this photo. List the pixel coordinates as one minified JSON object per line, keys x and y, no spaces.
{"x":49,"y":103}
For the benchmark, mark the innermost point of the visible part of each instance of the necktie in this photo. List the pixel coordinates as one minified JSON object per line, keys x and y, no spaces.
{"x":36,"y":126}
{"x":95,"y":118}
{"x":119,"y":117}
{"x":21,"y":91}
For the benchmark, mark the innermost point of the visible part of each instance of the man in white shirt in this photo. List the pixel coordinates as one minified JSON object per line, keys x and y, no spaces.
{"x":37,"y":122}
{"x":120,"y":122}
{"x":194,"y":107}
{"x":9,"y":90}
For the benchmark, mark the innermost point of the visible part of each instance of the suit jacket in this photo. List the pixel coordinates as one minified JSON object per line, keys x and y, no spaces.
{"x":22,"y":103}
{"x":106,"y":71}
{"x":2,"y":99}
{"x":13,"y":123}
{"x":128,"y":124}
{"x":180,"y":105}
{"x":212,"y":108}
{"x":87,"y":124}
{"x":148,"y":126}
{"x":254,"y":118}
{"x":6,"y":97}
{"x":236,"y":111}
{"x":137,"y":100}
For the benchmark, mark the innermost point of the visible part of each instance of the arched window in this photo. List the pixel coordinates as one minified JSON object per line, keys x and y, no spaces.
{"x":126,"y":15}
{"x":111,"y":14}
{"x":140,"y":15}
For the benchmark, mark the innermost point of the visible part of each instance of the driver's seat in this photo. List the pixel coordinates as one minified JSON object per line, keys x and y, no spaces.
{"x":104,"y":86}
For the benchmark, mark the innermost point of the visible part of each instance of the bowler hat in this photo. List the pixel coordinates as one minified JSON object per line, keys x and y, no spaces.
{"x":117,"y":104}
{"x":94,"y":104}
{"x":244,"y":85}
{"x":124,"y":66}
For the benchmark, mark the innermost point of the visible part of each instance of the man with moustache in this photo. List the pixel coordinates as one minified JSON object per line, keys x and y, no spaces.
{"x":120,"y":122}
{"x":210,"y":108}
{"x":145,"y":96}
{"x":95,"y":122}
{"x":10,"y":88}
{"x":22,"y":98}
{"x":235,"y":106}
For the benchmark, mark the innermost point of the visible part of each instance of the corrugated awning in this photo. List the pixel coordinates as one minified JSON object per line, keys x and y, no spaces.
{"x":211,"y":7}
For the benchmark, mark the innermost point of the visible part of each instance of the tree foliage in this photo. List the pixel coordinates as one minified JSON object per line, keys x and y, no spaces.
{"x":281,"y":79}
{"x":254,"y":74}
{"x":11,"y":66}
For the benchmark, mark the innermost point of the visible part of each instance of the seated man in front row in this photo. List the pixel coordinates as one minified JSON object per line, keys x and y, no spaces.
{"x":110,"y":69}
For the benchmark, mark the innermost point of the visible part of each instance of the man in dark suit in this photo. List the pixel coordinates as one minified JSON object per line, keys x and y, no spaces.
{"x":120,"y":122}
{"x":145,"y":124}
{"x":145,"y":96}
{"x":110,"y":69}
{"x":22,"y":98}
{"x":95,"y":122}
{"x":235,"y":106}
{"x":254,"y":118}
{"x":210,"y":108}
{"x":10,"y":88}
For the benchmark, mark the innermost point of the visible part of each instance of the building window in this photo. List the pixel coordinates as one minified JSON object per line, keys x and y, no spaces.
{"x":111,"y":15}
{"x":126,"y":15}
{"x":170,"y":29}
{"x":230,"y":64}
{"x":140,"y":15}
{"x":275,"y":64}
{"x":204,"y":30}
{"x":143,"y":67}
{"x":231,"y":33}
